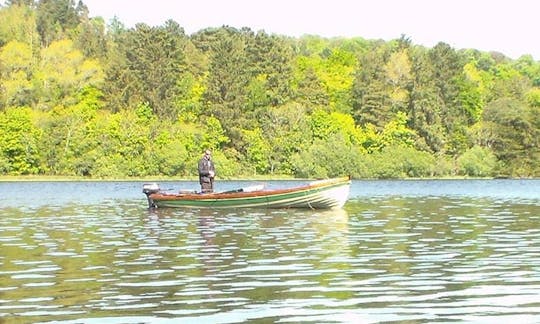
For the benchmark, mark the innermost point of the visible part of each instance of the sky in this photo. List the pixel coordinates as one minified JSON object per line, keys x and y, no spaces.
{"x":508,"y":26}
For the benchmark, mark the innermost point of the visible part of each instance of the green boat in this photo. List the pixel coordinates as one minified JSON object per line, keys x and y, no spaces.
{"x":319,"y":194}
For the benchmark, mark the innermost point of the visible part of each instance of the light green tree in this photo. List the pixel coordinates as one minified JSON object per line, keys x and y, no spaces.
{"x":477,"y":162}
{"x":396,"y":132}
{"x":19,"y":24}
{"x":258,"y":151}
{"x":214,"y":136}
{"x":16,"y":66}
{"x":399,"y":78}
{"x":63,"y":70}
{"x":19,"y":138}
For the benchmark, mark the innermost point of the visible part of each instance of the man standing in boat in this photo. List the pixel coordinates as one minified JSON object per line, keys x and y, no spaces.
{"x":206,"y":172}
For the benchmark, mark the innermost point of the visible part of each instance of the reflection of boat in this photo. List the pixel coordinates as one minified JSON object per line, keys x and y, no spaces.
{"x":320,"y":194}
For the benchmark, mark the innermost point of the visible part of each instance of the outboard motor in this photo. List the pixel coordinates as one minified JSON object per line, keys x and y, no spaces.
{"x":149,"y":189}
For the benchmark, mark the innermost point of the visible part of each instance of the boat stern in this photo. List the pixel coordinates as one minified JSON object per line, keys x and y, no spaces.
{"x":148,"y":190}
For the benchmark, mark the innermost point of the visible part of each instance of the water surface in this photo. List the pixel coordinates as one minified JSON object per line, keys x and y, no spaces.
{"x":400,"y":251}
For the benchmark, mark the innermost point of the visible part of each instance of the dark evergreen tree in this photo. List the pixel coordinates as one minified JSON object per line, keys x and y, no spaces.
{"x":511,"y":131}
{"x":226,"y":94}
{"x":91,"y":38}
{"x":271,"y":57}
{"x":55,"y":18}
{"x":311,"y":92}
{"x":370,"y":100}
{"x":29,"y":3}
{"x":149,"y":62}
{"x":425,"y":104}
{"x":447,"y":74}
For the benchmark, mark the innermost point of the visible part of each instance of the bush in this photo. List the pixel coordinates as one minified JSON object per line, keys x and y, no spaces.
{"x":401,"y":162}
{"x":477,"y":162}
{"x":328,"y":158}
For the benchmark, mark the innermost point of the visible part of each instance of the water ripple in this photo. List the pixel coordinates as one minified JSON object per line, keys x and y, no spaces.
{"x":393,"y":259}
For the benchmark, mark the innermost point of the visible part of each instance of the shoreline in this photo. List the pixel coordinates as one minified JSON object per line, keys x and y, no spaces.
{"x":44,"y":178}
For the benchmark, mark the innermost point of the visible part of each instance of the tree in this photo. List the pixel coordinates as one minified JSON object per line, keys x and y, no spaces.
{"x":396,"y":133}
{"x":19,"y":138}
{"x":16,"y":68}
{"x":258,"y":152}
{"x":213,"y":136}
{"x":472,"y":93}
{"x":399,"y":78}
{"x":323,"y":125}
{"x":330,"y":74}
{"x":148,"y":64}
{"x":19,"y":24}
{"x":285,"y":130}
{"x":270,"y":57}
{"x":91,"y":39}
{"x":511,"y":130}
{"x":371,"y":101}
{"x":55,"y":18}
{"x":332,"y":157}
{"x":424,"y":111}
{"x":63,"y":71}
{"x":477,"y":162}
{"x":310,"y":90}
{"x":508,"y":82}
{"x":400,"y":162}
{"x":447,"y":72}
{"x":226,"y":93}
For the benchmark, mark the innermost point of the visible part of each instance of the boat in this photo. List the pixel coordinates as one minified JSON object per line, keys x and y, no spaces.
{"x":319,"y":194}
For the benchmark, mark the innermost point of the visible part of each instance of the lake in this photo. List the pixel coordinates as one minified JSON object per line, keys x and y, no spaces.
{"x":414,"y":251}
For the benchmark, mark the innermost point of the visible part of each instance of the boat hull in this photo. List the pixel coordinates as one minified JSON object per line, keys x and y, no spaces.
{"x":324,"y":194}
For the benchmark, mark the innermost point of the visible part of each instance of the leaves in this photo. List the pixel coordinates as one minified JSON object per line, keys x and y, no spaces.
{"x":81,"y":98}
{"x":20,"y":137}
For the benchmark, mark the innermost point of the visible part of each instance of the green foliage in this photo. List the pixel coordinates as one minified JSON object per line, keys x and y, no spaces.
{"x":91,"y":39}
{"x":334,"y":71}
{"x":324,"y":124}
{"x":331,"y":157}
{"x":477,"y":162}
{"x":270,"y":59}
{"x":257,"y":152}
{"x":55,"y":18}
{"x":19,"y":139}
{"x":371,"y":101}
{"x":81,"y":98}
{"x":533,"y":97}
{"x":425,"y":106}
{"x":18,"y":24}
{"x":189,"y":97}
{"x":399,"y":77}
{"x":400,"y":162}
{"x":146,"y":65}
{"x":214,"y":136}
{"x":471,"y":93}
{"x":69,"y":138}
{"x":62,"y":72}
{"x":286,"y":130}
{"x":16,"y":69}
{"x":396,"y":132}
{"x":510,"y":129}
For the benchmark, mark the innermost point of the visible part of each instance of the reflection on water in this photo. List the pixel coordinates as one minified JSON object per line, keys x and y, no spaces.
{"x":404,"y":259}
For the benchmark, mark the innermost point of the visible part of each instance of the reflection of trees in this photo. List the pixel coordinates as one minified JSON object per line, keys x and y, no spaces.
{"x":398,"y":239}
{"x":59,"y":260}
{"x":261,"y":255}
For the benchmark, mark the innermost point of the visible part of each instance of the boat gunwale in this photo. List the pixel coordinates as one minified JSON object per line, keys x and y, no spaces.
{"x":317,"y":184}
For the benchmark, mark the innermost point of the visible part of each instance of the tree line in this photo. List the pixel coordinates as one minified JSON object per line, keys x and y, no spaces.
{"x":82,"y":97}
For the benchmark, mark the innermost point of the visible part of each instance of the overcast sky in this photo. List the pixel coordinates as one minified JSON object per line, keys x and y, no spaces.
{"x":507,"y":26}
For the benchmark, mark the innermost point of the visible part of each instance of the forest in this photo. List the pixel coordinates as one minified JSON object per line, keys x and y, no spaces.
{"x":81,"y":97}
